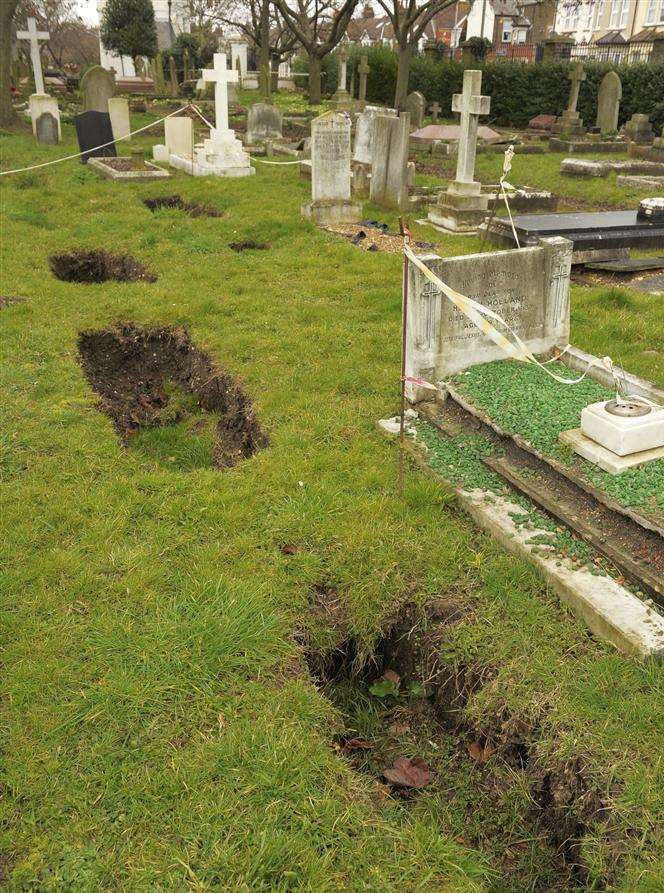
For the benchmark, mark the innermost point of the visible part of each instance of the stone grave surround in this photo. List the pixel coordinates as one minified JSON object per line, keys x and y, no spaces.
{"x":118,"y":109}
{"x":330,"y":172}
{"x":462,"y":208}
{"x":98,"y":87}
{"x":527,"y":287}
{"x":608,"y":102}
{"x":264,"y":122}
{"x":389,"y":161}
{"x":639,"y":130}
{"x":416,"y":106}
{"x":222,"y":155}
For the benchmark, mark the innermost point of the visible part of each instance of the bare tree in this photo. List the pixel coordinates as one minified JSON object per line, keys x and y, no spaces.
{"x":409,"y":21}
{"x":59,"y":17}
{"x":7,"y":13}
{"x":319,"y":25}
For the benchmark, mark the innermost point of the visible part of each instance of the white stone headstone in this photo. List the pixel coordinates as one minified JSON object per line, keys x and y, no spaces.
{"x":527,"y":287}
{"x":179,"y":136}
{"x":40,"y":103}
{"x":364,"y":129}
{"x":330,"y":171}
{"x":389,"y":161}
{"x":34,"y":36}
{"x":118,"y":109}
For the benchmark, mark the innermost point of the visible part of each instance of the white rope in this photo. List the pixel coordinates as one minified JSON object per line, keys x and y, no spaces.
{"x":278,"y":163}
{"x":32,"y":167}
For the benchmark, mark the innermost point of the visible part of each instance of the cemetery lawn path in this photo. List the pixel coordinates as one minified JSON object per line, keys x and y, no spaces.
{"x":160,"y":727}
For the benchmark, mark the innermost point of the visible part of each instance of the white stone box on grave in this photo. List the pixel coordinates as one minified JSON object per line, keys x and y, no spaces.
{"x":624,"y":427}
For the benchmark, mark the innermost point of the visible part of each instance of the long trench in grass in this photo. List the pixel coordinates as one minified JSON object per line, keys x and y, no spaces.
{"x":534,"y":841}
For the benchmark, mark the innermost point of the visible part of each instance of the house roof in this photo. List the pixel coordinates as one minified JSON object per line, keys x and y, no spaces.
{"x":611,"y":37}
{"x":645,"y":36}
{"x":165,"y":35}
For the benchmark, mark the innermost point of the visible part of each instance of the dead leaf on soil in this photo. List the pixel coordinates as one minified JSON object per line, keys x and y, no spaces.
{"x":408,"y":773}
{"x":480,"y":753}
{"x":357,"y":744}
{"x":288,"y":549}
{"x":391,"y":676}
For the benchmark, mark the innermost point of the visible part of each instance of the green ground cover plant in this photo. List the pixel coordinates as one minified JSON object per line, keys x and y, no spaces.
{"x":160,"y":727}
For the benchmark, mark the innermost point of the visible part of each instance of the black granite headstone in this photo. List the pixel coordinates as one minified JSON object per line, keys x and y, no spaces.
{"x":94,"y":129}
{"x":47,"y":129}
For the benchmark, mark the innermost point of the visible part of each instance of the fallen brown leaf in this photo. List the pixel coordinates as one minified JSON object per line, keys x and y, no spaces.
{"x":357,"y":744}
{"x":408,"y":773}
{"x":289,"y":549}
{"x":480,"y":753}
{"x":391,"y":676}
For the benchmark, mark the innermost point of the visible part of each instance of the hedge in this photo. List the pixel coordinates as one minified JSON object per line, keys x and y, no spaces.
{"x":519,"y":90}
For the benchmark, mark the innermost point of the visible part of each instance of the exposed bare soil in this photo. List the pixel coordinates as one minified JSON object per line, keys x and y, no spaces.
{"x":93,"y":267}
{"x":175,"y":201}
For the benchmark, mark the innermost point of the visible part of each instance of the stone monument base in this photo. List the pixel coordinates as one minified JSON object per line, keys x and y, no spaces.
{"x":456,"y":213}
{"x":569,"y":123}
{"x":326,"y":213}
{"x":38,"y":103}
{"x":218,"y":157}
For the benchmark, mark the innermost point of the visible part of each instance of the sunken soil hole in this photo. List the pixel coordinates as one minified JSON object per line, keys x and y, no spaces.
{"x":405,"y":723}
{"x":248,"y":245}
{"x":177,"y":202}
{"x":152,"y":377}
{"x":98,"y":266}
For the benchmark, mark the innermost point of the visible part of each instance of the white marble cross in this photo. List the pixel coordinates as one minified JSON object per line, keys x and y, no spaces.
{"x":471,"y":105}
{"x":220,"y":76}
{"x":34,"y":37}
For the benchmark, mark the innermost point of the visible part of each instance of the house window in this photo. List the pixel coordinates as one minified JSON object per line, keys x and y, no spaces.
{"x":599,"y":15}
{"x":507,"y":31}
{"x":619,"y":13}
{"x":654,"y":12}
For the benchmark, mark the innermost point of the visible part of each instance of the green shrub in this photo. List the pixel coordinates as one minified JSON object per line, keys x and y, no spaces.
{"x":519,"y":90}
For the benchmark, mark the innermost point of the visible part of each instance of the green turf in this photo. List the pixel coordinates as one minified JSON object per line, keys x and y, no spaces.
{"x":159,"y":728}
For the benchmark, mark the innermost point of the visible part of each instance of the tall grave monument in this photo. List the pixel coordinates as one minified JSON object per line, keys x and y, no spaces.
{"x":40,"y":102}
{"x":330,"y":172}
{"x":608,"y":102}
{"x":570,"y":121}
{"x":341,"y":98}
{"x":463,"y":207}
{"x":363,"y":71}
{"x":221,"y":155}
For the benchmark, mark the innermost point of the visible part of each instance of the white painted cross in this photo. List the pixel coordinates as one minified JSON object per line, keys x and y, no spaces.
{"x":471,"y":105}
{"x":220,"y":76}
{"x":34,"y":37}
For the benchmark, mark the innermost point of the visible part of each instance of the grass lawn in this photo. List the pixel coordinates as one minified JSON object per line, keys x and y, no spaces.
{"x":161,"y":729}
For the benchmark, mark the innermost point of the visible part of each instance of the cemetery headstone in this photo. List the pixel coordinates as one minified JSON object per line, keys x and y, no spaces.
{"x":341,"y":97}
{"x":639,"y":130}
{"x":389,"y":161}
{"x":94,"y":132}
{"x":463,"y":207}
{"x":570,"y":121}
{"x":98,"y":87}
{"x":363,"y":71}
{"x":47,"y":129}
{"x":40,"y":103}
{"x":158,"y":74}
{"x":34,"y":36}
{"x":185,"y":62}
{"x":527,"y":287}
{"x":264,"y":122}
{"x":415,"y":106}
{"x":221,"y":155}
{"x":364,"y":131}
{"x":608,"y":102}
{"x":330,"y":172}
{"x":435,"y":111}
{"x":118,"y":109}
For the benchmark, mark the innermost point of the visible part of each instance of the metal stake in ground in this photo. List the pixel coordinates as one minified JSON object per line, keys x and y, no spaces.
{"x":405,"y":232}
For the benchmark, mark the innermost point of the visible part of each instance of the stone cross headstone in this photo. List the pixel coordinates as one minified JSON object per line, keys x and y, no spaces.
{"x":264,"y":122}
{"x":34,"y":36}
{"x":139,"y":67}
{"x":221,"y":76}
{"x":389,"y":162}
{"x":118,"y":109}
{"x":343,"y":69}
{"x":576,"y":76}
{"x":94,"y":132}
{"x":462,"y":207}
{"x":527,"y":287}
{"x":172,"y":71}
{"x":608,"y":102}
{"x":363,"y":71}
{"x":330,"y":172}
{"x":415,"y":106}
{"x":47,"y":129}
{"x":98,"y":87}
{"x":435,"y":111}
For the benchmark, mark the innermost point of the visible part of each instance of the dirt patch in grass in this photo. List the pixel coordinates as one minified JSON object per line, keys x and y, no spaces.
{"x":406,"y":724}
{"x":93,"y":267}
{"x":248,"y":245}
{"x":8,"y":300}
{"x":177,"y":202}
{"x":369,"y":237}
{"x":150,"y":377}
